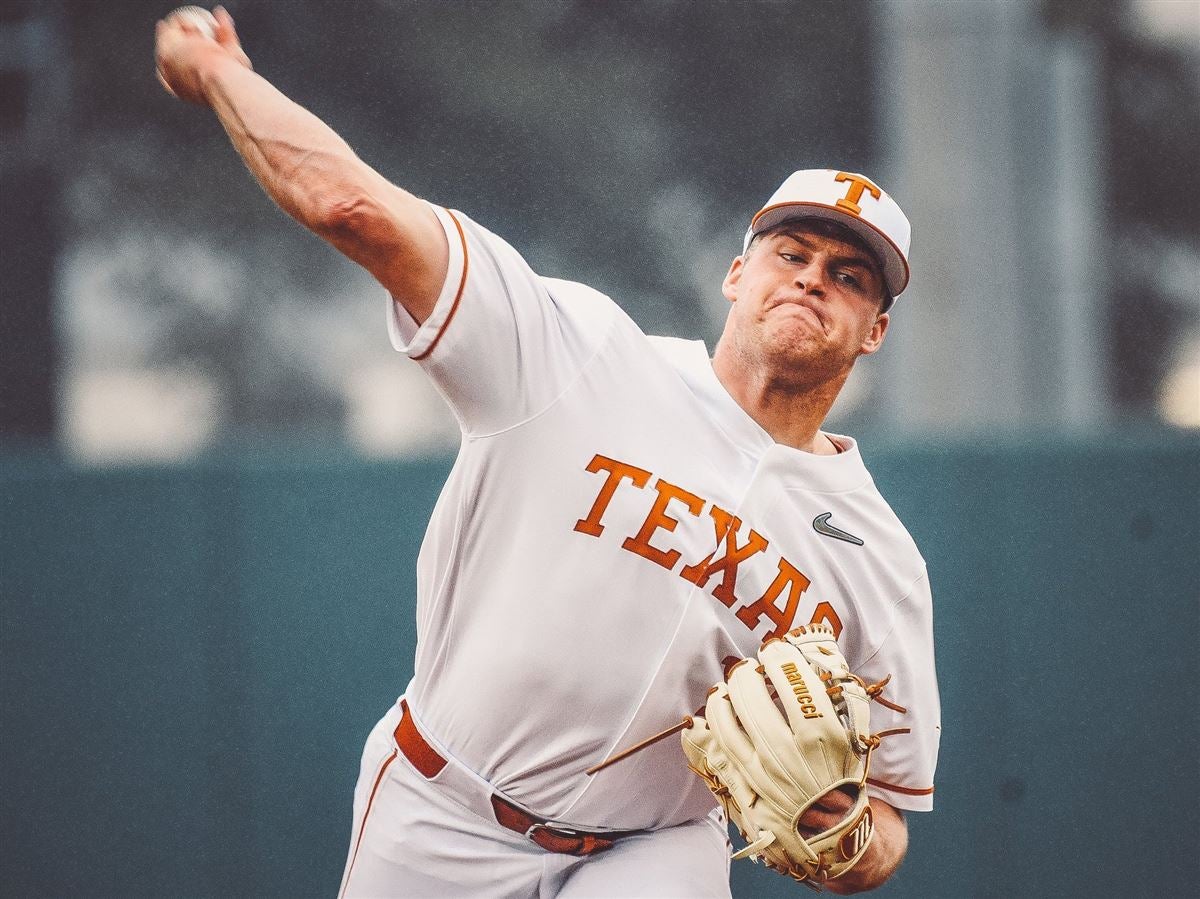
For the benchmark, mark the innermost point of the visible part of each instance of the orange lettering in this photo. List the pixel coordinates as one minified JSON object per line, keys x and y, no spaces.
{"x":857,"y":185}
{"x":617,"y":472}
{"x":824,"y":612}
{"x":658,"y":518}
{"x":727,"y":526}
{"x":722,"y":521}
{"x":789,"y":576}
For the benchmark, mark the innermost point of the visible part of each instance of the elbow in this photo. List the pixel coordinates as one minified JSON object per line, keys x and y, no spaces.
{"x":344,"y":215}
{"x":386,"y":234}
{"x":358,"y":225}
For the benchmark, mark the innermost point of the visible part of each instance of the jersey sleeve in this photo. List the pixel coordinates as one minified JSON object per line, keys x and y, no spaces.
{"x":902,"y":768}
{"x":502,"y":343}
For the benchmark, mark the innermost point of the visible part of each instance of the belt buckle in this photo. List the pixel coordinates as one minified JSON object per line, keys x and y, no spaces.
{"x":554,"y":829}
{"x":586,"y":843}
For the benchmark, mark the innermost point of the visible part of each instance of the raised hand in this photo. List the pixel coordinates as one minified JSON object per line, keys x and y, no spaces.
{"x":187,"y":46}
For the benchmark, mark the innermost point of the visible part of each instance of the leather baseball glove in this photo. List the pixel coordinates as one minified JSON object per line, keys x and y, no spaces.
{"x":777,"y":736}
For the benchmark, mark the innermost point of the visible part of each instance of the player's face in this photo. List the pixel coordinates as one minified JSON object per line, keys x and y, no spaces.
{"x":806,"y":302}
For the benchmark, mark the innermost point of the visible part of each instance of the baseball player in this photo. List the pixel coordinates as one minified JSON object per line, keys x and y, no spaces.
{"x":626,"y":516}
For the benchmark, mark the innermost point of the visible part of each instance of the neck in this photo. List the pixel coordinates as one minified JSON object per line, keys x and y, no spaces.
{"x":790,"y":410}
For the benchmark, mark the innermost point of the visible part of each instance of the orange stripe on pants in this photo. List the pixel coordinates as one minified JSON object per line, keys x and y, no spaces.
{"x":362,"y":827}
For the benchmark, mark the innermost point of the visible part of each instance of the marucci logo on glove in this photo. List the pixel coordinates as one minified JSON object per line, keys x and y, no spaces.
{"x":751,"y":744}
{"x":857,"y":838}
{"x":748,"y":718}
{"x":822,"y":526}
{"x":801,"y":690}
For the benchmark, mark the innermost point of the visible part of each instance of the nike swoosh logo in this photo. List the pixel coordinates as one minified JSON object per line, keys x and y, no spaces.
{"x":822,"y":526}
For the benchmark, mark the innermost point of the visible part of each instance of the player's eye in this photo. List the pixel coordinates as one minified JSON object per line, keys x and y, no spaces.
{"x":848,"y":279}
{"x":792,"y":257}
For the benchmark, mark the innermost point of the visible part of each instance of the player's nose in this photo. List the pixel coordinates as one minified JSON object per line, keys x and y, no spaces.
{"x":810,"y":278}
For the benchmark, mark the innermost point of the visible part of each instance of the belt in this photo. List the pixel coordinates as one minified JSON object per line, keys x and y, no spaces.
{"x":551,"y":837}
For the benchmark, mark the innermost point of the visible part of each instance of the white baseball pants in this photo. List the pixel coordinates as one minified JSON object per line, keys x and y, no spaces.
{"x":417,"y":838}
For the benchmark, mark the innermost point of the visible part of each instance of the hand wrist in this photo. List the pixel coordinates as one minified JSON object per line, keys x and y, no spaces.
{"x":212,"y":71}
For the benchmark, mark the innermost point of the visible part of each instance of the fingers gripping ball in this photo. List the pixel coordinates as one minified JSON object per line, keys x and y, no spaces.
{"x":204,"y":21}
{"x":776,"y":737}
{"x":183,"y":40}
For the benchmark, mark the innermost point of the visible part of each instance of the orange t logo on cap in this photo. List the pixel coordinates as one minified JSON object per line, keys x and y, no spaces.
{"x":857,"y":185}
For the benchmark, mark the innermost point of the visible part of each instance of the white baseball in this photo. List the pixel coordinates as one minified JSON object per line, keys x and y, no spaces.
{"x":198,"y":16}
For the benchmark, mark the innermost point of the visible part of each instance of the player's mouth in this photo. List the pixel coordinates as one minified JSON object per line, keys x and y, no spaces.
{"x":799,"y":306}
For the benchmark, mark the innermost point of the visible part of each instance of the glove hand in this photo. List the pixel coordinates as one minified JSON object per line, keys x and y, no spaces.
{"x":784,"y":746}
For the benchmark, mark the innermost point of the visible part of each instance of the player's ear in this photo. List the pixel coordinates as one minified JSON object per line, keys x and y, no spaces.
{"x":874,"y":339}
{"x":729,"y":285}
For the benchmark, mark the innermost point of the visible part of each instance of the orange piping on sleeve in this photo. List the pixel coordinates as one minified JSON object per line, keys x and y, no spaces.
{"x":884,"y":785}
{"x":457,"y":297}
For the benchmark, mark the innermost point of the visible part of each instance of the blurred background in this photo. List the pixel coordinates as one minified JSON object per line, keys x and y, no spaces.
{"x":215,"y":473}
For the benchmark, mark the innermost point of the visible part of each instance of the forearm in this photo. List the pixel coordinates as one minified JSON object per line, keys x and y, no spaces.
{"x":314,"y":176}
{"x":300,"y":162}
{"x":883,"y":855}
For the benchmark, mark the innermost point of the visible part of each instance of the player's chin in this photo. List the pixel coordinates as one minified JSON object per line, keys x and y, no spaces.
{"x":796,"y":347}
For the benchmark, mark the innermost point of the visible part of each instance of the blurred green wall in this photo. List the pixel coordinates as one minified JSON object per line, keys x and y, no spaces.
{"x":190,"y":659}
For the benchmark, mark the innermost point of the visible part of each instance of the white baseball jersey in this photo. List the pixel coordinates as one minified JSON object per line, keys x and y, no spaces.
{"x":616,"y":527}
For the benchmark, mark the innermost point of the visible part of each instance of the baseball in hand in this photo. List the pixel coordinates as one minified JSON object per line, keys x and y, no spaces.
{"x":194,"y":27}
{"x":198,"y":16}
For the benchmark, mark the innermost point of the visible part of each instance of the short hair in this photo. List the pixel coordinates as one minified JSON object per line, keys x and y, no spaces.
{"x":834,"y":231}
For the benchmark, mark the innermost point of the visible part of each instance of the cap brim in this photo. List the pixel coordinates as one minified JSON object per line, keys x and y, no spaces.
{"x":895,"y":267}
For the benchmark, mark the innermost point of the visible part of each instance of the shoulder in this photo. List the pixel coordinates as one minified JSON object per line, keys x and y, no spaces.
{"x":685,"y":356}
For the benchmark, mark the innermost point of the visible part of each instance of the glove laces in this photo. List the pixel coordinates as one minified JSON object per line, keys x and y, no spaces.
{"x":875,"y":692}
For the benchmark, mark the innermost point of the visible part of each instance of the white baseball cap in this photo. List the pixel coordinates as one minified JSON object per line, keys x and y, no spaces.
{"x":848,"y":199}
